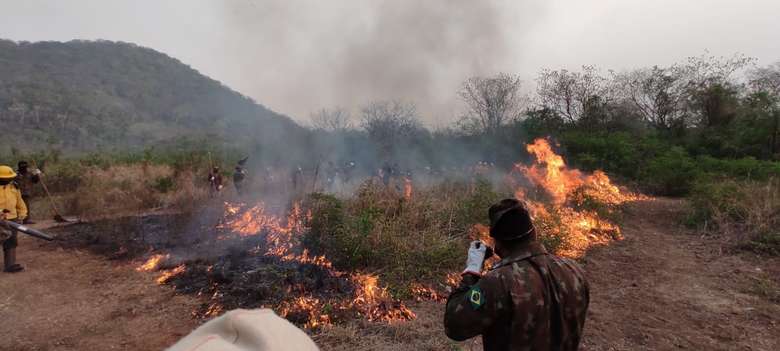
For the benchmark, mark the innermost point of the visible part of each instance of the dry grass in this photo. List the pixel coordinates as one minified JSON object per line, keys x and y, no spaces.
{"x":419,"y":239}
{"x":746,"y":213}
{"x":123,"y":189}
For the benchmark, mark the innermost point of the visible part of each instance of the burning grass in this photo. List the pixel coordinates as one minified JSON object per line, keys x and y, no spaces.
{"x":572,"y":209}
{"x":334,"y":260}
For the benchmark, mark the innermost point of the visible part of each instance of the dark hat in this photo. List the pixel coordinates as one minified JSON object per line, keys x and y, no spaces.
{"x":510,"y":220}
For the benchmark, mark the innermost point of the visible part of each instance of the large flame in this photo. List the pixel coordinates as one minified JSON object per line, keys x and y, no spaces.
{"x":567,"y":218}
{"x":550,"y":171}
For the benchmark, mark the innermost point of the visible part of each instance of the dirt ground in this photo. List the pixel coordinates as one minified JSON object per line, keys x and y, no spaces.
{"x":73,"y":300}
{"x":664,"y":288}
{"x":661,"y":288}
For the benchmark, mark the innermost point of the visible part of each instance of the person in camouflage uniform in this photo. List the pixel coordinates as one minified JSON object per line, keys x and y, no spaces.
{"x":26,"y":179}
{"x":530,"y":300}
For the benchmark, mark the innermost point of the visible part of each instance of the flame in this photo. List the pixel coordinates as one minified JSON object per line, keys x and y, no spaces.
{"x":214,"y":310}
{"x":408,"y":188}
{"x":550,"y":171}
{"x":452,"y":279}
{"x":283,"y":241}
{"x":426,"y":293}
{"x":569,"y":190}
{"x":308,"y":308}
{"x":152,"y":263}
{"x":375,"y":302}
{"x":167,"y":275}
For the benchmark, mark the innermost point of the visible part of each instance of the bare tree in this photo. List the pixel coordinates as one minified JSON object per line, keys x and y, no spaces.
{"x":672,"y":97}
{"x":492,"y":101}
{"x":658,"y":94}
{"x":568,"y":93}
{"x":766,"y":79}
{"x":390,"y":122}
{"x":333,"y":120}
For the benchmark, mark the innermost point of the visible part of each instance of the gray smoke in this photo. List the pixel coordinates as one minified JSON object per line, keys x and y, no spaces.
{"x":307,"y":55}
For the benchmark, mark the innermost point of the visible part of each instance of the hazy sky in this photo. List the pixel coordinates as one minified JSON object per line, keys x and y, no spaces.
{"x":297,"y":56}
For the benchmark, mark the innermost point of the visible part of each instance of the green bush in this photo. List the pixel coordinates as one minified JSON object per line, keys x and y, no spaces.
{"x":744,"y":168}
{"x":709,"y":198}
{"x":163,"y":184}
{"x":671,"y":173}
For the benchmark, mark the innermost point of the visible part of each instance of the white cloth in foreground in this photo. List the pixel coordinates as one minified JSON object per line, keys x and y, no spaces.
{"x":245,"y":330}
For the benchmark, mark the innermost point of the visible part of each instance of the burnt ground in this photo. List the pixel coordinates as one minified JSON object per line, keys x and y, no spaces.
{"x":661,"y":288}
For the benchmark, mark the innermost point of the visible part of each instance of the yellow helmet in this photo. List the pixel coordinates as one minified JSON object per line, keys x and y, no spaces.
{"x":7,"y":172}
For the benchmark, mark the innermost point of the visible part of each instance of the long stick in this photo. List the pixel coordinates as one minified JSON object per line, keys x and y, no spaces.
{"x":57,"y":216}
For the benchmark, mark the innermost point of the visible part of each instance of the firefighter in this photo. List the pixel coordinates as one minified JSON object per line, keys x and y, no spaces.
{"x":215,"y":181}
{"x":25,"y":180}
{"x":239,"y":175}
{"x":12,"y":208}
{"x":530,"y":300}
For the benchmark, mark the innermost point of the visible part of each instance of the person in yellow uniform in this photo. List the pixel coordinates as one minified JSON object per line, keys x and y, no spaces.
{"x":13,"y":208}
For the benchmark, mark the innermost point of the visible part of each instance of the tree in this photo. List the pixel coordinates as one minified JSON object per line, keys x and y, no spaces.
{"x":715,"y":105}
{"x":766,"y":79}
{"x":569,"y":93}
{"x":389,"y":124}
{"x":762,"y":106}
{"x":658,"y":94}
{"x":491,"y":102}
{"x":332,"y":120}
{"x":681,"y":95}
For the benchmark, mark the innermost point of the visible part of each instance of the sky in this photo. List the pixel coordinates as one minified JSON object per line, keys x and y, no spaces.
{"x":298,"y":56}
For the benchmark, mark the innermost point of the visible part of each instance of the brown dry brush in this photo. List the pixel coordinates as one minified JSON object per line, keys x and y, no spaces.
{"x":744,"y":213}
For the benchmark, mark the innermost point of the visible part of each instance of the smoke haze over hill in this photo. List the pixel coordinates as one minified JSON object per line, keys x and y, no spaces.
{"x":298,"y":56}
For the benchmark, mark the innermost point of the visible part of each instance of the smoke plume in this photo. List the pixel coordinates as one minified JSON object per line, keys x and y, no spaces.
{"x":306,"y":55}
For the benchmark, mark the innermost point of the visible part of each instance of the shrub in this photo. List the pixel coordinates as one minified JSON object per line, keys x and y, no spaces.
{"x":379,"y":230}
{"x":672,"y":173}
{"x":163,"y":184}
{"x":745,"y":211}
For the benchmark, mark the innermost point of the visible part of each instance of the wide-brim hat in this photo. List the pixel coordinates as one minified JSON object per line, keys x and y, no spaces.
{"x":510,"y":220}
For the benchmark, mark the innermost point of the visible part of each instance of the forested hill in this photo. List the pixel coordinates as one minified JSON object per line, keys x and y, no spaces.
{"x":88,"y":95}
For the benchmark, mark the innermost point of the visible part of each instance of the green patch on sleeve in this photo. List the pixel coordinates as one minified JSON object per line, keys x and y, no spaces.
{"x":476,"y":297}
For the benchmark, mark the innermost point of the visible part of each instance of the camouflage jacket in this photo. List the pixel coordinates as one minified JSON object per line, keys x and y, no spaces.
{"x":530,"y":300}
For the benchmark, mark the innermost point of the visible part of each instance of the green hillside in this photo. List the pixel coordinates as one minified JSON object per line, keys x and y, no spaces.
{"x":91,"y":95}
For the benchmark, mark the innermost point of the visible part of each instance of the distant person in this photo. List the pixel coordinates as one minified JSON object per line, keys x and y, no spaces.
{"x":246,"y":330}
{"x":297,"y":179}
{"x":25,"y":180}
{"x":215,"y":182}
{"x":387,"y":173}
{"x":530,"y":300}
{"x":239,"y":176}
{"x":12,"y":208}
{"x":348,"y":169}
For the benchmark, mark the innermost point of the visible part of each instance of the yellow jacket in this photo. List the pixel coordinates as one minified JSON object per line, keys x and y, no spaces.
{"x":11,"y":200}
